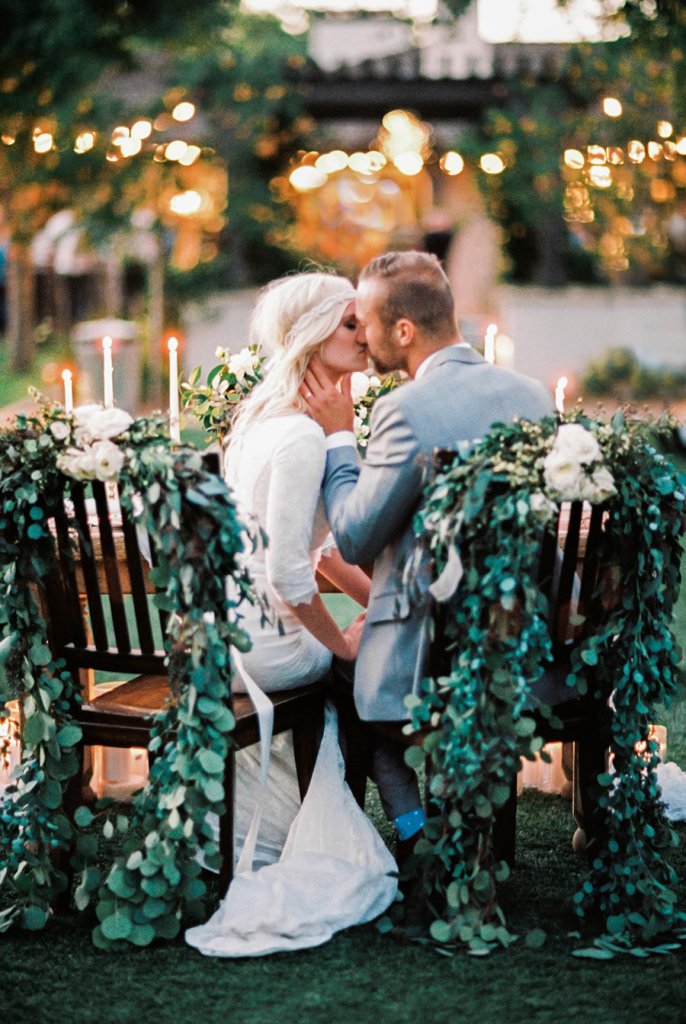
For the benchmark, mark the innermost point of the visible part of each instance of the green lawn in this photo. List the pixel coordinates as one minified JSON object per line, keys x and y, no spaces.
{"x":14,"y":386}
{"x":361,"y":976}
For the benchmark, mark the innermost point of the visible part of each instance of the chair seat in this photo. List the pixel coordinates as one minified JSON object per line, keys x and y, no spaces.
{"x":148,"y":694}
{"x":144,"y":695}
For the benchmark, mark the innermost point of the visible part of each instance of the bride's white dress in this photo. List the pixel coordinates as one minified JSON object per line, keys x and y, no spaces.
{"x":334,"y":872}
{"x":308,"y":871}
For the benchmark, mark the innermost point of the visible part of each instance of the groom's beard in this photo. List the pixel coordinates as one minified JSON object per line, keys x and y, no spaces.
{"x":387,"y":359}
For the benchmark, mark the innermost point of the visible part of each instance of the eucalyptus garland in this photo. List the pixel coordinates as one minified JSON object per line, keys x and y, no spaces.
{"x":191,"y":520}
{"x":481,"y":521}
{"x":216,"y":402}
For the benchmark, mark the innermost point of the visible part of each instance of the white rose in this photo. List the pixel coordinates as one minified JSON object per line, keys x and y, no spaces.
{"x":110,"y":423}
{"x":542,"y":507}
{"x":577,"y":443}
{"x":94,"y":423}
{"x":108,"y":460}
{"x":85,"y":416}
{"x":243,"y":362}
{"x":563,"y":475}
{"x":60,"y":430}
{"x":359,"y":385}
{"x":78,"y":463}
{"x":599,"y":486}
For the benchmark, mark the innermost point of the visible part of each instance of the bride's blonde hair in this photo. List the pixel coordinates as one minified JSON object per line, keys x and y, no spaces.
{"x":292,"y":317}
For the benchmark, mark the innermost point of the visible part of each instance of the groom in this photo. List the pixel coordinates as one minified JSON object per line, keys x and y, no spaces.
{"x":407,"y":322}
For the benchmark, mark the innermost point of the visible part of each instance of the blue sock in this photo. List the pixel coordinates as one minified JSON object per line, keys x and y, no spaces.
{"x":409,"y":823}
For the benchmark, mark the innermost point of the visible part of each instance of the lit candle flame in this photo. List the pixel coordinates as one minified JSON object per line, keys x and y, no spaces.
{"x":560,"y":394}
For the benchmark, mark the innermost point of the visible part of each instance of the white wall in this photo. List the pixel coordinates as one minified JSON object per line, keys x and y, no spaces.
{"x":559,"y":331}
{"x":555,"y":331}
{"x":220,"y":321}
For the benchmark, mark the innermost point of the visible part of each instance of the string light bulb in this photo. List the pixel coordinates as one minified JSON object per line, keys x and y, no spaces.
{"x":84,"y":141}
{"x":491,"y":163}
{"x":42,"y":143}
{"x":612,"y":107}
{"x":183,"y":111}
{"x":574,"y":158}
{"x":451,"y":163}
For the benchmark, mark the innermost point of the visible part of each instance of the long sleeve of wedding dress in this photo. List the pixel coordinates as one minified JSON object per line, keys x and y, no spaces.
{"x":276,"y":474}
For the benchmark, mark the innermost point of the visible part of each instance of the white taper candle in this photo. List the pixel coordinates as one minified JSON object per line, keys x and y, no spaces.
{"x":174,"y":423}
{"x":68,"y":391}
{"x":108,"y":372}
{"x":489,"y":343}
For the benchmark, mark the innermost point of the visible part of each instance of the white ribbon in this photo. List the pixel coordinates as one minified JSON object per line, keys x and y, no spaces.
{"x":265,"y":718}
{"x":443,"y":588}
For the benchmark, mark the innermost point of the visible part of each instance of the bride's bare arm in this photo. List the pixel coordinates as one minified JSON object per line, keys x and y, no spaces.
{"x":350,"y":579}
{"x":317,"y":620}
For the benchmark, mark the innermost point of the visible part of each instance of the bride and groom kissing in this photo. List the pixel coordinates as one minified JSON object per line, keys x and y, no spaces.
{"x":293,"y":465}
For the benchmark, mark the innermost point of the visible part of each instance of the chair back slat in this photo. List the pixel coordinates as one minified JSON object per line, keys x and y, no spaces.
{"x":589,"y":574}
{"x":138,"y":585}
{"x":89,"y":569}
{"x":109,"y":559}
{"x":546,"y":563}
{"x":96,"y":600}
{"x":69,"y":619}
{"x":163,"y":615}
{"x":568,"y":541}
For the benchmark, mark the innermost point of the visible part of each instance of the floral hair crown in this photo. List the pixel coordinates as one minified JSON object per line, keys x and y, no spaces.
{"x":321,"y":309}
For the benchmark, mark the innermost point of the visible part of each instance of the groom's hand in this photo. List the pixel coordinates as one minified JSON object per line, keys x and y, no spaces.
{"x":330,"y":407}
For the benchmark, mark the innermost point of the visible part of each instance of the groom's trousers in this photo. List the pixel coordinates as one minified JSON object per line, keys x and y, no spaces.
{"x":396,"y":781}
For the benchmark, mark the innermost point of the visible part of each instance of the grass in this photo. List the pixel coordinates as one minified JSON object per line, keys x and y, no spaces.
{"x":361,"y":976}
{"x":43,"y":372}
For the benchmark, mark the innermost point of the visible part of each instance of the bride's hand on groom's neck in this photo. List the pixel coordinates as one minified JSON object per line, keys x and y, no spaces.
{"x":330,"y":406}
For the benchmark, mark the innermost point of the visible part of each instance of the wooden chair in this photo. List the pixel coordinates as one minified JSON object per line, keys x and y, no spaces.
{"x":568,"y":575}
{"x":93,"y":628}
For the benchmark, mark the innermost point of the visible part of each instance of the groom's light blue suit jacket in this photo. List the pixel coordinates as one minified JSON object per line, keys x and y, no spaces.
{"x":370,"y":504}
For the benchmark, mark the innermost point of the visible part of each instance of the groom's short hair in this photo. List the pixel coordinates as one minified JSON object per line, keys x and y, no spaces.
{"x":416,"y":289}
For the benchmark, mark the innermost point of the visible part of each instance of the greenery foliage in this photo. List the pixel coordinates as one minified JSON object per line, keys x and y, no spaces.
{"x":490,"y":506}
{"x":613,"y":213}
{"x":619,"y":373}
{"x":197,"y":540}
{"x":216,"y":402}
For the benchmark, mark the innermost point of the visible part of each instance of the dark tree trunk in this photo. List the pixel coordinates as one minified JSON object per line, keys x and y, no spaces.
{"x":549,"y":268}
{"x":156,"y":325}
{"x":20,"y":307}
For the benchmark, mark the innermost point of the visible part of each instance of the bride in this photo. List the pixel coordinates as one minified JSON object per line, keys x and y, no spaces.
{"x":334,"y":868}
